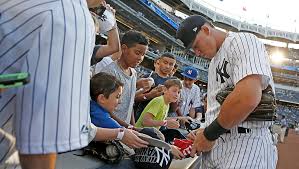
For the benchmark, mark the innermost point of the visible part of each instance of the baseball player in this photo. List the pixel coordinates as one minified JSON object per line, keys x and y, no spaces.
{"x":239,"y":60}
{"x":53,"y":41}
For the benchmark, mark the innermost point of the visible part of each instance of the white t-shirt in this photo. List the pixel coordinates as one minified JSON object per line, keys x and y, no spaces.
{"x":190,"y":98}
{"x":125,"y":108}
{"x":100,"y":65}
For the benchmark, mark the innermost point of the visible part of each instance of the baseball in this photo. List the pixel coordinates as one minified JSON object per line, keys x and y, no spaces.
{"x":152,"y":81}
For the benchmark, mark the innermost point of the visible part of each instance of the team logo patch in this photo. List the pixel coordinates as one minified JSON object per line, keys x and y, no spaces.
{"x":153,"y":157}
{"x":189,"y":72}
{"x":221,"y":71}
{"x":194,"y":29}
{"x":84,"y":129}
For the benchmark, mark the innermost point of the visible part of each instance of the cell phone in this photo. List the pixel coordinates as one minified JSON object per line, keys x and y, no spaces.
{"x":14,"y":80}
{"x":101,"y":10}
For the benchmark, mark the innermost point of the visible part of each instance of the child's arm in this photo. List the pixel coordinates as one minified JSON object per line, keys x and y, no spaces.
{"x":121,"y":122}
{"x":148,"y":121}
{"x":192,"y":113}
{"x":183,"y":119}
{"x":132,"y":119}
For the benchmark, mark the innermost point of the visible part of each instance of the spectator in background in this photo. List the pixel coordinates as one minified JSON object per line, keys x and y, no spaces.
{"x":284,"y":124}
{"x":133,"y":46}
{"x":190,"y":96}
{"x":163,"y":67}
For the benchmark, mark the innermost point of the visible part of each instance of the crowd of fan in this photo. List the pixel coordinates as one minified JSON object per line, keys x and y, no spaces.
{"x":288,"y":95}
{"x":291,"y":113}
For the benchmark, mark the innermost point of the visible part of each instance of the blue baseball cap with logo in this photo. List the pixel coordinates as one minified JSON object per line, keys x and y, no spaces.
{"x":190,"y":72}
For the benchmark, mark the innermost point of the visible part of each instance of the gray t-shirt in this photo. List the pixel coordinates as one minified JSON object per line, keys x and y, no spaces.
{"x":125,"y":108}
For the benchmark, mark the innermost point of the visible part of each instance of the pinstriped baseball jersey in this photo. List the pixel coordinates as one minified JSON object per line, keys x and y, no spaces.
{"x":53,"y":41}
{"x":240,"y":55}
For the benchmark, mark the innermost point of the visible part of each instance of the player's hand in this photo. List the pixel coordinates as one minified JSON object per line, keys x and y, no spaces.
{"x":132,"y":140}
{"x":192,"y":135}
{"x":172,"y":124}
{"x":177,"y":154}
{"x":201,"y":144}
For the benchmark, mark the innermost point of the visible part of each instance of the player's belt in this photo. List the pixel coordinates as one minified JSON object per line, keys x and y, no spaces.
{"x":241,"y":130}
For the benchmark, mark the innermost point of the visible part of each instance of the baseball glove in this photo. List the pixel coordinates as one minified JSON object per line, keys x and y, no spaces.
{"x":265,"y":111}
{"x":110,"y":152}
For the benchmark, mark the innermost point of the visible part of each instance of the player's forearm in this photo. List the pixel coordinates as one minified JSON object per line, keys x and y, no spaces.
{"x":104,"y":134}
{"x":239,"y":104}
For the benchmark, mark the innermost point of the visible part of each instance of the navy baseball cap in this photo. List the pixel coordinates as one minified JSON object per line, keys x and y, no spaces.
{"x":190,"y":72}
{"x":189,"y":28}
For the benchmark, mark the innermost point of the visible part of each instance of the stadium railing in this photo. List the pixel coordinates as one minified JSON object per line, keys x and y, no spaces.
{"x":217,"y":17}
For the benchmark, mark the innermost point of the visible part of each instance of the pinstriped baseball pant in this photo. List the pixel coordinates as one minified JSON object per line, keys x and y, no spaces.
{"x":53,"y":41}
{"x":242,"y":151}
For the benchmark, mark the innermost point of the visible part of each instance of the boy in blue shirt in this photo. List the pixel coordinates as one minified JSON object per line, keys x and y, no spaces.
{"x":105,"y":93}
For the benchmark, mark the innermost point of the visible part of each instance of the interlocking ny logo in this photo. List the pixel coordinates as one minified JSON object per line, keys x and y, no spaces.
{"x":222,"y":72}
{"x":189,"y":72}
{"x":162,"y":156}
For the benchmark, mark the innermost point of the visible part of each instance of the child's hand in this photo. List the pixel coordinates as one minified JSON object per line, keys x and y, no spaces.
{"x":185,"y":119}
{"x":176,"y":152}
{"x":157,"y":91}
{"x":144,"y":83}
{"x":172,"y":124}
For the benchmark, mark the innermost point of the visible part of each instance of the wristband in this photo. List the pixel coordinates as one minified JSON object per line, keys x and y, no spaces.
{"x":120,"y":134}
{"x":130,"y":127}
{"x":164,"y":122}
{"x":214,"y":130}
{"x":144,"y":97}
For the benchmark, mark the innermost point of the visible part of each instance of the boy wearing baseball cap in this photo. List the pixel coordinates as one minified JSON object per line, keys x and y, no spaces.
{"x":190,"y":95}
